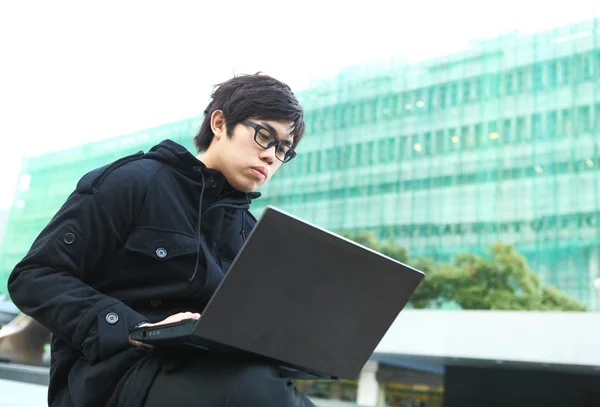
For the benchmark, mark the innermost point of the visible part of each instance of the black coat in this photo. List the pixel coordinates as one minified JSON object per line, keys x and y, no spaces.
{"x":124,"y":249}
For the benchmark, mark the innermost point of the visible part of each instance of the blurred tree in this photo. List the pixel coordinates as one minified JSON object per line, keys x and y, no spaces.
{"x":500,"y":280}
{"x":503,"y":280}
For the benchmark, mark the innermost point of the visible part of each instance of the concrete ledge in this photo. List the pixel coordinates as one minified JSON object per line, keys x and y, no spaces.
{"x":333,"y":403}
{"x":24,"y":373}
{"x":561,"y":338}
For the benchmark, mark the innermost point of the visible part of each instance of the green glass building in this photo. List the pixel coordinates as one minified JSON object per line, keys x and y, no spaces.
{"x":499,"y":142}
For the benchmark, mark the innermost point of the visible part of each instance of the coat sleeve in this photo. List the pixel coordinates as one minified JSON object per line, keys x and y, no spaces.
{"x":49,"y":283}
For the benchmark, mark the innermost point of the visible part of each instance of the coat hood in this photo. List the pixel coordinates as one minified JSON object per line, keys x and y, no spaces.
{"x":178,"y":157}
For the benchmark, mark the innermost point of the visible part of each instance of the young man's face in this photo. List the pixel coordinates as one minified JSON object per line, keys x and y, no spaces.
{"x":244,"y":163}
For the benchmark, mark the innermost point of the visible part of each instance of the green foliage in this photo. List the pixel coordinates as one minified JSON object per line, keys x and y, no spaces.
{"x":501,"y":280}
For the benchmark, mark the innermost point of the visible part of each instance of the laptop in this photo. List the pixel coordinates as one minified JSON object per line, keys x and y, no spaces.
{"x":312,"y":302}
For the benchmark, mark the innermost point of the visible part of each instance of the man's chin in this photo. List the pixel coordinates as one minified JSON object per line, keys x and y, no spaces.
{"x":247,"y":187}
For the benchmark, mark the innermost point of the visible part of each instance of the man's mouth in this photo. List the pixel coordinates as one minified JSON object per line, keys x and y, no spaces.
{"x":261,"y":172}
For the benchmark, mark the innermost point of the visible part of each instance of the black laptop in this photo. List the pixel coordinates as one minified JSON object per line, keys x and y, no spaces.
{"x":299,"y":296}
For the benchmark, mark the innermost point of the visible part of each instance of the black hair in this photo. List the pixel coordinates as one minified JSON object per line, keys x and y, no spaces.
{"x":245,"y":96}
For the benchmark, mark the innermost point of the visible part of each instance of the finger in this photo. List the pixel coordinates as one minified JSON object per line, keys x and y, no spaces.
{"x":140,"y":344}
{"x":187,"y":315}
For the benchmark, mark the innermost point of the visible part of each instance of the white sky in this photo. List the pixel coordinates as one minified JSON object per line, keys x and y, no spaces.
{"x":77,"y":71}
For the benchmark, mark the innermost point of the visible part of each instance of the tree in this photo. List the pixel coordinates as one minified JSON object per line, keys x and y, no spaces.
{"x":438,"y":285}
{"x":500,"y":280}
{"x":503,"y":281}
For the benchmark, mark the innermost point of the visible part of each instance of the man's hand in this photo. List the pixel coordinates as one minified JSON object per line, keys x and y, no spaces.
{"x":169,"y":320}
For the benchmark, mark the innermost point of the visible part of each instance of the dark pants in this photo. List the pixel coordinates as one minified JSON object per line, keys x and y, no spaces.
{"x":222,"y":381}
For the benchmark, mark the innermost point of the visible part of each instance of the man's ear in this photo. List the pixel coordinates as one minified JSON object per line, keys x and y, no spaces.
{"x":218,"y":124}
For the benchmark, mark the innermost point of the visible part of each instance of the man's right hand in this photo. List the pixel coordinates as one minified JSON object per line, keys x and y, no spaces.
{"x":169,"y":320}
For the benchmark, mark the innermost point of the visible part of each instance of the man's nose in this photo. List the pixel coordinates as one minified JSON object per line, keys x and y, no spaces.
{"x":268,"y":154}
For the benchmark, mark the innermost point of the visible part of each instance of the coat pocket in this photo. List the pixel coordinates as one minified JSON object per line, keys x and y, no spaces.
{"x":162,"y":255}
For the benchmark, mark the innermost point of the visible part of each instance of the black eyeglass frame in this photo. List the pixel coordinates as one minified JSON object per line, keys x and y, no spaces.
{"x":289,"y":155}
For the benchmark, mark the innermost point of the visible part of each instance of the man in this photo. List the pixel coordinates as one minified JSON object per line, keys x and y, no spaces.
{"x":145,"y":240}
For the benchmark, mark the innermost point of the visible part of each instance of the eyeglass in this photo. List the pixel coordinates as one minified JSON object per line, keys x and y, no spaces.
{"x":266,"y":140}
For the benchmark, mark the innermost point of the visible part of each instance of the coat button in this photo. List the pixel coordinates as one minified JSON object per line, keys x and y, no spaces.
{"x":212,"y":183}
{"x":112,"y":318}
{"x":161,"y":253}
{"x":155,"y":303}
{"x":69,"y":238}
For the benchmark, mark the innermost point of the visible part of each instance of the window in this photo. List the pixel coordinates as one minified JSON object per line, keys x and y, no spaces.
{"x":567,"y":124}
{"x":385,"y":154}
{"x":347,"y":116}
{"x":478,"y":89}
{"x":536,"y":126}
{"x":312,"y":161}
{"x":439,"y":142}
{"x":577,"y":68}
{"x":387,"y":106}
{"x":355,"y":114}
{"x":417,"y":145}
{"x":583,"y":120}
{"x":565,"y":71}
{"x":328,"y":119}
{"x":466,"y":140}
{"x":367,"y":156}
{"x":317,"y":121}
{"x":493,"y":131}
{"x":453,"y":94}
{"x":351,"y":155}
{"x":391,"y":148}
{"x":508,"y":83}
{"x":454,"y":139}
{"x":319,"y":160}
{"x":538,"y":76}
{"x":430,"y":98}
{"x":368,"y":109}
{"x":478,"y":135}
{"x":521,"y":131}
{"x":552,"y":74}
{"x":399,"y":105}
{"x":427,"y":143}
{"x":442,"y":96}
{"x":494,"y":86}
{"x":334,"y":162}
{"x":507,"y":130}
{"x":466,"y":88}
{"x":551,"y":120}
{"x":358,"y":154}
{"x":405,"y":147}
{"x":520,"y":80}
{"x":409,"y":103}
{"x":380,"y":111}
{"x":419,"y":97}
{"x":338,"y":119}
{"x":587,"y":69}
{"x":300,"y":163}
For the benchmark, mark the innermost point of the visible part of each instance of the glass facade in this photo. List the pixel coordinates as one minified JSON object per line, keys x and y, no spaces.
{"x":499,"y":142}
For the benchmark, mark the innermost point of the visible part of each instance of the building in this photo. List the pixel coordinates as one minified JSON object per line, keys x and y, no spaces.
{"x":496,"y":143}
{"x":447,"y":155}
